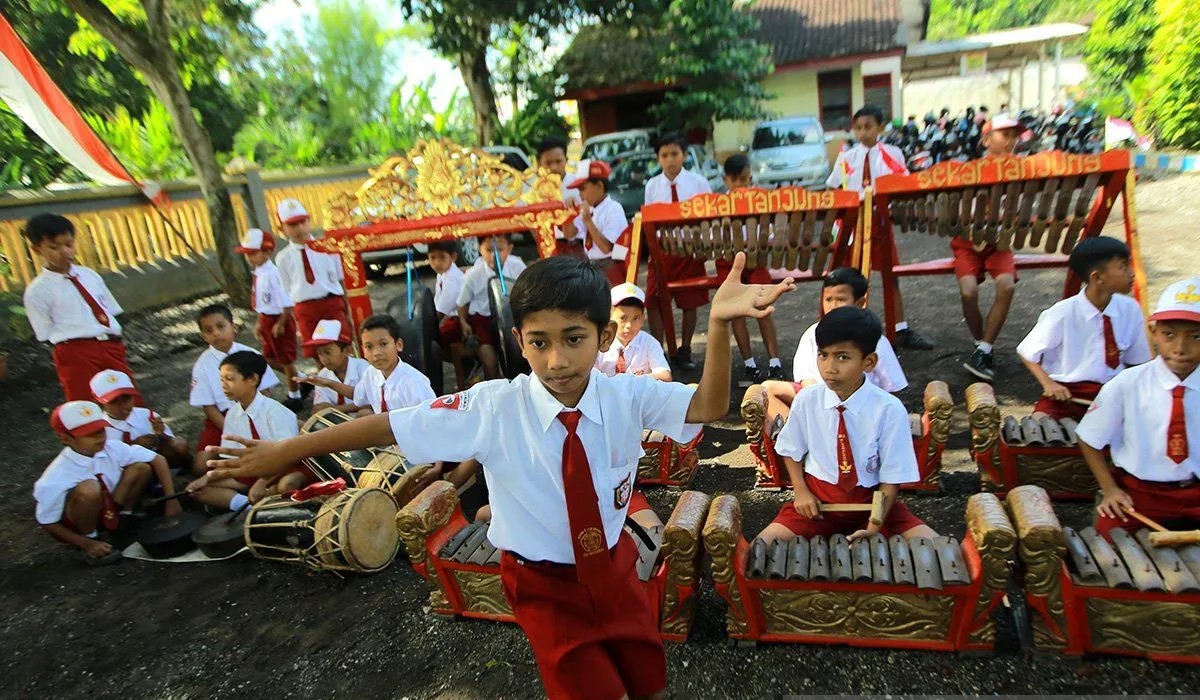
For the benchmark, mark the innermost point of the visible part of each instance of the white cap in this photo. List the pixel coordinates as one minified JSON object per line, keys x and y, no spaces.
{"x":326,"y":332}
{"x":1179,"y":302}
{"x":254,"y":241}
{"x":627,"y":290}
{"x":77,"y":418}
{"x":1003,"y":120}
{"x":291,"y":211}
{"x":110,"y":384}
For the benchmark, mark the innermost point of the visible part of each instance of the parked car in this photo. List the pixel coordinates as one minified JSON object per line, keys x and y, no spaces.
{"x":789,"y":151}
{"x":607,"y":147}
{"x":631,"y":172}
{"x":512,"y":156}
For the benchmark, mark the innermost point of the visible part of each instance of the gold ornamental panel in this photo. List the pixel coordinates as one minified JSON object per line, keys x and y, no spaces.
{"x":858,"y":614}
{"x":482,"y":592}
{"x":1058,"y":473}
{"x":1153,"y":627}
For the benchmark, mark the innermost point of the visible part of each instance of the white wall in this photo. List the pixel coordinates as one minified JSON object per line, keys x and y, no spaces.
{"x":994,"y":88}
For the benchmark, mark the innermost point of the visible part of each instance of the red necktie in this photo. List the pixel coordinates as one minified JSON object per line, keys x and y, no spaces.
{"x":866,"y":182}
{"x":97,"y":310}
{"x":110,"y":514}
{"x":621,"y":365}
{"x":592,"y":563}
{"x":674,"y":192}
{"x":253,"y":430}
{"x":847,"y":477}
{"x":1112,"y":354}
{"x":1177,"y":447}
{"x":382,"y":400}
{"x":127,"y":437}
{"x":308,"y":271}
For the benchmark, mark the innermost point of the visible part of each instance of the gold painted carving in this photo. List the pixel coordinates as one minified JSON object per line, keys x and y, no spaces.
{"x":996,"y":541}
{"x":1144,"y":626}
{"x":857,"y":614}
{"x":754,"y":412}
{"x":1042,"y":545}
{"x":984,"y":417}
{"x":722,"y":533}
{"x":1060,"y":473}
{"x":681,"y":549}
{"x":424,"y":515}
{"x":939,"y":406}
{"x":482,"y":592}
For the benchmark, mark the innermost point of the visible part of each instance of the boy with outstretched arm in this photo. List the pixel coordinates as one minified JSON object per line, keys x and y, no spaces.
{"x":560,"y":448}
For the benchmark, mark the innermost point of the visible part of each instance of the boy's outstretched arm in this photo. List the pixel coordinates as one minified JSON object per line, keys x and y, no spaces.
{"x":732,"y":300}
{"x":262,"y":458}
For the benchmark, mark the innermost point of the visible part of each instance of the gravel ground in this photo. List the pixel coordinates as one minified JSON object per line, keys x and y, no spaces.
{"x":245,"y":629}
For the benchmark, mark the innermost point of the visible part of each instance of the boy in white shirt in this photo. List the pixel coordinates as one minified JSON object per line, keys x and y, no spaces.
{"x":674,"y":184}
{"x":340,"y":370}
{"x":276,"y":328}
{"x":1149,"y":416}
{"x":312,"y":279}
{"x":552,"y":156}
{"x":1082,"y":342}
{"x":601,"y":220}
{"x":443,"y":258}
{"x":474,"y":307}
{"x":633,"y":351}
{"x":844,"y":439}
{"x":389,"y":383}
{"x":136,"y":425}
{"x":88,"y":484}
{"x":218,"y":331}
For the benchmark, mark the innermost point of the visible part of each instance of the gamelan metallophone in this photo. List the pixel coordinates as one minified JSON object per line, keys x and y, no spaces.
{"x":666,"y":462}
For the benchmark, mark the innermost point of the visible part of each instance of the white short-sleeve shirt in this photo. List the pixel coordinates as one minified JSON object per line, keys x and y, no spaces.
{"x":404,"y":387}
{"x":513,"y":430}
{"x":135,"y":426}
{"x":687,"y":185}
{"x":474,"y":292}
{"x":58,"y":312}
{"x":610,"y":220}
{"x":1068,"y":339}
{"x":643,"y":355}
{"x":206,"y":378}
{"x":877,"y":423}
{"x":327,"y":273}
{"x":1131,"y":414}
{"x":272,"y":421}
{"x":355,"y":369}
{"x":445,"y":291}
{"x":855,"y":156}
{"x":70,"y":468}
{"x":887,"y":375}
{"x":270,"y":297}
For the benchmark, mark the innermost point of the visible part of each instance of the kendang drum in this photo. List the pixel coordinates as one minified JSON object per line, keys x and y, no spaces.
{"x":337,"y":465}
{"x":338,"y":529}
{"x":390,"y":471}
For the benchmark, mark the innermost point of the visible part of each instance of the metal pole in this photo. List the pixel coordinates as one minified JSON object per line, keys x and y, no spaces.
{"x":1041,"y":94}
{"x":1057,"y":71}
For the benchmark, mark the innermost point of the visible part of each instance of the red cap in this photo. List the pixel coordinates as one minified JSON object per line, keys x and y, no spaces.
{"x":78,"y":418}
{"x":255,"y":241}
{"x":596,"y":170}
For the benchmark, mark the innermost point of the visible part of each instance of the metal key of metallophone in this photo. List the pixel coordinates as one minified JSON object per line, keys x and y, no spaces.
{"x":881,"y":559}
{"x":1069,"y":425}
{"x":473,"y":543}
{"x":1190,"y":554}
{"x":1083,"y":203}
{"x":777,"y":560}
{"x":818,"y":559}
{"x":950,"y":559}
{"x":1111,"y":567}
{"x":1176,"y":577}
{"x":902,"y":566}
{"x":839,"y":558}
{"x":1045,"y":206}
{"x":925,"y":564}
{"x":1062,"y":206}
{"x":991,"y":232}
{"x":1024,"y":221}
{"x":1032,"y":432}
{"x":1080,"y":557}
{"x":1008,"y":223}
{"x":1052,"y":432}
{"x":797,"y":564}
{"x":860,"y":560}
{"x":1141,"y":569}
{"x":764,"y":240}
{"x":495,"y":558}
{"x":457,"y":540}
{"x":482,"y":554}
{"x":756,"y":563}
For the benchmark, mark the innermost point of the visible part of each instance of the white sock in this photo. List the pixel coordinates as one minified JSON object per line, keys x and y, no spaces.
{"x":238,"y":500}
{"x":93,"y":536}
{"x":902,"y":326}
{"x":750,"y":363}
{"x":775,"y":362}
{"x":294,"y":394}
{"x":985,"y":347}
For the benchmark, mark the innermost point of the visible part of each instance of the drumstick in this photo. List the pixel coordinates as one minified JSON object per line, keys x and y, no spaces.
{"x":163,"y":499}
{"x":1145,"y":521}
{"x":1081,"y":402}
{"x":234,"y":514}
{"x":1174,"y":538}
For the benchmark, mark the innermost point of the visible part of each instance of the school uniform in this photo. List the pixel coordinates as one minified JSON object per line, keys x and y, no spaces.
{"x":855,"y":169}
{"x":574,"y":246}
{"x":270,"y":298}
{"x":137,"y":425}
{"x":404,"y":387}
{"x":206,"y":389}
{"x":887,"y":375}
{"x":848,"y":449}
{"x":69,"y":469}
{"x":313,"y":280}
{"x":976,"y":259}
{"x":609,"y":218}
{"x":677,"y":267}
{"x":355,"y":369}
{"x":264,"y":419}
{"x":572,"y":588}
{"x":77,"y":314}
{"x":474,"y":295}
{"x":1082,"y":347}
{"x":642,"y":355}
{"x":1150,"y":421}
{"x":445,"y":302}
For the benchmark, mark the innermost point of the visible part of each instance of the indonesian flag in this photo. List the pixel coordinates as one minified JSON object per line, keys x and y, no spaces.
{"x":30,"y":93}
{"x":892,"y":164}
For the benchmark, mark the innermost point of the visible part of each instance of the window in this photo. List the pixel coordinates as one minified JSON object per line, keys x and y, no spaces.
{"x":793,"y":132}
{"x":833,"y":96}
{"x":877,"y":90}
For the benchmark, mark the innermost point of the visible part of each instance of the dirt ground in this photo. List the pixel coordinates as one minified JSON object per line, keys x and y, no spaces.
{"x":245,"y":628}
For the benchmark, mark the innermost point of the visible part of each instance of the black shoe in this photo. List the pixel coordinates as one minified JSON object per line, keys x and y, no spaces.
{"x":750,"y":375}
{"x":908,"y":338}
{"x":775,"y":372}
{"x":293,"y":404}
{"x":306,"y":390}
{"x":980,"y":364}
{"x":683,"y":360}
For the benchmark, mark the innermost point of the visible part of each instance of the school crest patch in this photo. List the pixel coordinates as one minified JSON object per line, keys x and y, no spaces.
{"x":591,"y":541}
{"x":457,"y":402}
{"x":622,"y":493}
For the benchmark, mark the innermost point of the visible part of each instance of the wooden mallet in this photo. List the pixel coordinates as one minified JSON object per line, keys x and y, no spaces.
{"x":1162,"y":537}
{"x":875,"y":507}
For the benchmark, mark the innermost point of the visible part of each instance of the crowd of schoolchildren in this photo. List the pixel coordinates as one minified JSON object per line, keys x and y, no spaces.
{"x":597,"y":380}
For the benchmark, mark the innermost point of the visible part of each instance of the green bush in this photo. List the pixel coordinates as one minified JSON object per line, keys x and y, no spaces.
{"x":1174,"y":75}
{"x":14,"y":323}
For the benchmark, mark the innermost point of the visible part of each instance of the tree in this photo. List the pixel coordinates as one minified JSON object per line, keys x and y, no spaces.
{"x":950,"y":19}
{"x":145,"y":34}
{"x":1174,"y":74}
{"x":1116,"y":45}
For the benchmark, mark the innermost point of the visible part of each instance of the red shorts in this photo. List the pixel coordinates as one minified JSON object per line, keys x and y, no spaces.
{"x":210,"y":436}
{"x":638,"y":502}
{"x":898,"y":521}
{"x":309,"y":313}
{"x":969,"y":262}
{"x":77,"y":361}
{"x":1178,"y":508}
{"x":1069,"y":409}
{"x":614,"y":270}
{"x":759,"y":275}
{"x":282,"y":349}
{"x":451,"y":330}
{"x":569,"y":249}
{"x":600,"y":643}
{"x":678,"y":267}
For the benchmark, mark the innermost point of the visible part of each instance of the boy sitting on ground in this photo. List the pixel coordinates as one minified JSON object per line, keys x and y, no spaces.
{"x":136,"y":425}
{"x":340,"y":370}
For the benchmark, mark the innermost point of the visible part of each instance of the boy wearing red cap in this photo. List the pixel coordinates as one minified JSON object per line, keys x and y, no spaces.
{"x":340,"y":370}
{"x":313,"y":280}
{"x":92,"y":481}
{"x":135,"y":425}
{"x":276,"y":329}
{"x":1149,"y":417}
{"x":601,"y":220}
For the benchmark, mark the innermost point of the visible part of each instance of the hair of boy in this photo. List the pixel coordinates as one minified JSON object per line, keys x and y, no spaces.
{"x":247,"y":363}
{"x":549,"y":144}
{"x":631,"y":301}
{"x":736,"y":164}
{"x":870,"y":111}
{"x":384,"y":321}
{"x":668,"y":139}
{"x":847,"y":276}
{"x":214,"y":310}
{"x":489,"y":240}
{"x":562,"y":284}
{"x":450,"y":247}
{"x":1093,"y":253}
{"x":43,"y":227}
{"x":850,"y":324}
{"x":513,"y":161}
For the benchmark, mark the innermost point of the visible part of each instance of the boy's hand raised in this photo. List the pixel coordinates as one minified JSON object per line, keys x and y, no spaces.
{"x":735,"y":300}
{"x":260,"y":458}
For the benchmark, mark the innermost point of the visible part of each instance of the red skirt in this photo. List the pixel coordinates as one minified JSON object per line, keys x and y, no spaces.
{"x":282,"y":349}
{"x":77,"y":361}
{"x":309,"y":313}
{"x":1069,"y":409}
{"x":898,"y":521}
{"x":1174,"y":506}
